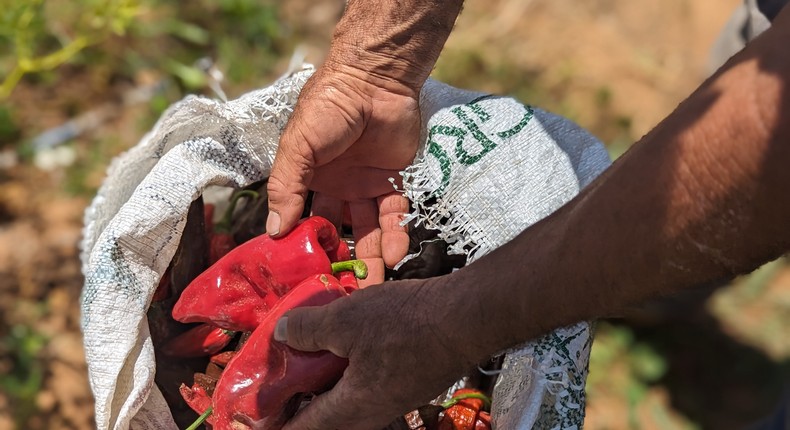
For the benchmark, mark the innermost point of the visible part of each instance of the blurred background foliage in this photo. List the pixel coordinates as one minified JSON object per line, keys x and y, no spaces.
{"x":128,"y":35}
{"x":40,"y":42}
{"x":83,"y":81}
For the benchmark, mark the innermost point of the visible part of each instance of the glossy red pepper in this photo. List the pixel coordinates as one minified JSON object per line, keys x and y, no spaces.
{"x":205,"y":339}
{"x":238,"y":290}
{"x":464,"y":412}
{"x":265,"y":382}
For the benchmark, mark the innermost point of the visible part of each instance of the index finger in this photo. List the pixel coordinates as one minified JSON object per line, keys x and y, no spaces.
{"x":367,"y":237}
{"x":394,"y":236}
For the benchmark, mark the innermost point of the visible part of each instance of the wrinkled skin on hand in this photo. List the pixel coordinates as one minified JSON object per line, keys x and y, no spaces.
{"x":411,"y":336}
{"x":357,"y":124}
{"x":346,"y":139}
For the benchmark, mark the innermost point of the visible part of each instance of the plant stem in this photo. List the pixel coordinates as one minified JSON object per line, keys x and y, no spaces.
{"x":458,"y":398}
{"x":358,"y":266}
{"x":200,"y":419}
{"x":224,"y":225}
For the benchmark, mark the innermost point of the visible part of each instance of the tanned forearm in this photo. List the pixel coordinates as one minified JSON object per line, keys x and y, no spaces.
{"x":703,"y":197}
{"x":392,"y":40}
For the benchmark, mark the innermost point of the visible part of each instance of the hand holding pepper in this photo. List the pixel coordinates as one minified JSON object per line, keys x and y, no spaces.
{"x":405,"y":342}
{"x":266,"y":381}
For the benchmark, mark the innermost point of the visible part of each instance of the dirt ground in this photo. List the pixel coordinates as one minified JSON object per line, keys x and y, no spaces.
{"x":617,"y":67}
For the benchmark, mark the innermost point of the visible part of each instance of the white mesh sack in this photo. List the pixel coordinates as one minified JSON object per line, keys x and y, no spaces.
{"x":488,"y":167}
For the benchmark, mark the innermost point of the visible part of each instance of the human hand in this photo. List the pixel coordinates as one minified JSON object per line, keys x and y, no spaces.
{"x":347,"y":137}
{"x":357,"y":124}
{"x":404,"y":346}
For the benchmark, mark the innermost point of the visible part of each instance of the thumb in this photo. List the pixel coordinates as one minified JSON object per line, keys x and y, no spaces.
{"x":291,"y":174}
{"x":301,"y":329}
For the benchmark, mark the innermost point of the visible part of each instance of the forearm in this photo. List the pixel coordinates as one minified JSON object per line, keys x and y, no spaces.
{"x":703,"y":197}
{"x":392,"y":40}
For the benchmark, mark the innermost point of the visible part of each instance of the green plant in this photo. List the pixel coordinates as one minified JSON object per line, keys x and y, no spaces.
{"x":8,"y":128}
{"x":21,"y":348}
{"x":474,"y":69}
{"x":42,"y":35}
{"x":624,"y":367}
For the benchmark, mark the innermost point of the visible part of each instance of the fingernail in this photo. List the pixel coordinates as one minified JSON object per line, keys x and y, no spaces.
{"x":273,"y":223}
{"x":281,"y":330}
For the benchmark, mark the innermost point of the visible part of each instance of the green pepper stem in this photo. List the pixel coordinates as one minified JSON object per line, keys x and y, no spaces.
{"x":452,"y":402}
{"x":358,"y":266}
{"x":201,"y":418}
{"x":224,"y":224}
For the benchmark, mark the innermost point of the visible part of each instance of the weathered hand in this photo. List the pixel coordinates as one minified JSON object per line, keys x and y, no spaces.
{"x":346,"y":139}
{"x":357,"y":124}
{"x":402,"y":344}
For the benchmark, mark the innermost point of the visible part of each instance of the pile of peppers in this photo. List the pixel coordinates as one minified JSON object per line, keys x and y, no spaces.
{"x":251,"y":380}
{"x":465,"y":411}
{"x":246,"y":290}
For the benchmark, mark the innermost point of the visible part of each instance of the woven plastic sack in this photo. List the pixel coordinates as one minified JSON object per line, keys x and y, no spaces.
{"x":489,"y":166}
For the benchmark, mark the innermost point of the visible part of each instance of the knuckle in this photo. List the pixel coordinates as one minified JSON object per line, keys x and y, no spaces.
{"x":307,"y":331}
{"x":293,"y":161}
{"x":283,"y":192}
{"x":369,"y":244}
{"x":300,"y":331}
{"x":299,"y":140}
{"x":393,"y":204}
{"x":343,"y":404}
{"x":391,"y":223}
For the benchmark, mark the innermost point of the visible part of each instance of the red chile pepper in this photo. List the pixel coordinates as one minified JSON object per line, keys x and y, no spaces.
{"x":196,"y":398}
{"x":221,"y":237}
{"x":463,"y":411}
{"x":265,"y":382}
{"x":483,"y":421}
{"x":238,"y":290}
{"x":205,"y":339}
{"x":221,"y":359}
